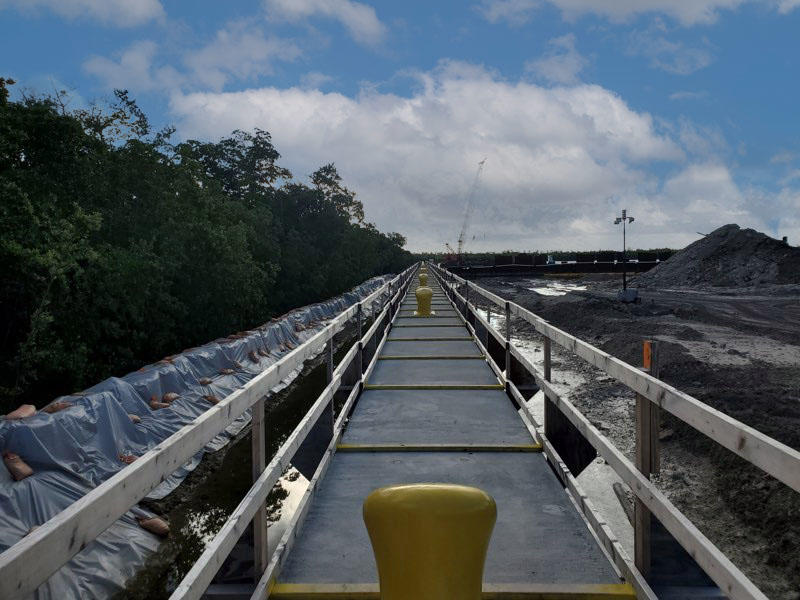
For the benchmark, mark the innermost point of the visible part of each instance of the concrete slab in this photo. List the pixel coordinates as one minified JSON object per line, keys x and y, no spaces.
{"x":441,"y":311}
{"x":538,"y":538}
{"x":476,"y":417}
{"x":434,"y":305}
{"x":439,"y":321}
{"x":432,"y":372}
{"x":430,"y":348}
{"x":429,"y":332}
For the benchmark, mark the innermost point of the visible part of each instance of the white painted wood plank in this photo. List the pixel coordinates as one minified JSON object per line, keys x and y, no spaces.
{"x":721,"y":570}
{"x":201,"y":574}
{"x":770,"y":455}
{"x":724,"y":573}
{"x":31,"y":561}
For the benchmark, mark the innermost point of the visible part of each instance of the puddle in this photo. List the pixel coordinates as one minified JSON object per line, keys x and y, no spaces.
{"x":557,"y":288}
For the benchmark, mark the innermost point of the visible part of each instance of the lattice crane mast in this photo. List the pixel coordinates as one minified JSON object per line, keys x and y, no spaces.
{"x":468,"y":210}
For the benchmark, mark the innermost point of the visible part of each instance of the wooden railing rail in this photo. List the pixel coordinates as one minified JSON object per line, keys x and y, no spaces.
{"x":773,"y":457}
{"x":205,"y":568}
{"x":31,"y":561}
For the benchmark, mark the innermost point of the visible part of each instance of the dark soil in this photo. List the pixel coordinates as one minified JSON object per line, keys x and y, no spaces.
{"x":734,"y":350}
{"x":728,"y":256}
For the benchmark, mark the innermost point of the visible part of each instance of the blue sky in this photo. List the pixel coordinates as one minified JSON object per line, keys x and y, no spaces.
{"x":685,"y":112}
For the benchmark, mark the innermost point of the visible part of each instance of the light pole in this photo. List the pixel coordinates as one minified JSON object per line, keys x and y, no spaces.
{"x":624,"y":219}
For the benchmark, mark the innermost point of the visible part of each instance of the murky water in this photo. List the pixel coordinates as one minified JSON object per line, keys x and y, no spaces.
{"x":555,"y":288}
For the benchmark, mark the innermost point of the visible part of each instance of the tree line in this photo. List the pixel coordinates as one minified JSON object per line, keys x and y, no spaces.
{"x":541,"y":257}
{"x":119,"y":246}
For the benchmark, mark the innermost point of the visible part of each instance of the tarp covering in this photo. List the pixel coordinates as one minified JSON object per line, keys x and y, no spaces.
{"x":74,"y":450}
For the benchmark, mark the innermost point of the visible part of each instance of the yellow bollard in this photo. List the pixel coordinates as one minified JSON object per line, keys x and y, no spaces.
{"x":424,"y":297}
{"x":430,"y":540}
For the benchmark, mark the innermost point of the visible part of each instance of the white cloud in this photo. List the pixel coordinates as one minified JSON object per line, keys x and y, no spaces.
{"x":134,"y":69}
{"x":706,"y":192}
{"x":561,"y":161}
{"x":562,"y":64}
{"x":315,"y":80}
{"x":687,"y":12}
{"x":513,"y":12}
{"x":124,"y":13}
{"x":703,"y":141}
{"x":792,"y":175}
{"x":787,"y":6}
{"x":238,"y":51}
{"x":703,"y":196}
{"x":669,"y":56}
{"x":359,"y":19}
{"x":783,"y":157}
{"x":554,"y":155}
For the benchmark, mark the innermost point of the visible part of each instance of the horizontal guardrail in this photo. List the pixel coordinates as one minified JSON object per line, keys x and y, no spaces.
{"x":773,"y":457}
{"x":31,"y":561}
{"x":216,"y":551}
{"x":770,"y":455}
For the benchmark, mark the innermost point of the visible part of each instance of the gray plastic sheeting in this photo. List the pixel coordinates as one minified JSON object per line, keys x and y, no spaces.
{"x":76,"y":449}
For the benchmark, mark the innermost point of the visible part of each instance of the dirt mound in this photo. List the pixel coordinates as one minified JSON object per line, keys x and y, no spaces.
{"x":728,"y":256}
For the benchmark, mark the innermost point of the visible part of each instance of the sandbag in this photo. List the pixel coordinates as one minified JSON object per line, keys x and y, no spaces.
{"x":18,"y":468}
{"x":23,"y":412}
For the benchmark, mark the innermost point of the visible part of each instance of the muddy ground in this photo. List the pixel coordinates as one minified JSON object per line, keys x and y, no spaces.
{"x":738,"y":350}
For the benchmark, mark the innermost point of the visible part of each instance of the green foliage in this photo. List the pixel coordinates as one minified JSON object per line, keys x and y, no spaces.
{"x":117,"y":247}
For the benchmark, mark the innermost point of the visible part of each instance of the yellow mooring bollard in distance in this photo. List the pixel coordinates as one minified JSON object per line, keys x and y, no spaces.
{"x":430,"y":540}
{"x":424,"y":295}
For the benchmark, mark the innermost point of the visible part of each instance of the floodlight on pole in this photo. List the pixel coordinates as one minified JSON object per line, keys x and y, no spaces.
{"x":624,"y":219}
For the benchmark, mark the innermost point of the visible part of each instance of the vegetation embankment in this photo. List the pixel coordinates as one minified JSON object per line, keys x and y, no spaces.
{"x":118,"y":246}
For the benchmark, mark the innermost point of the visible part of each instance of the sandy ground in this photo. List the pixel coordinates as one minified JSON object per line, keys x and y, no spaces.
{"x":735,"y":349}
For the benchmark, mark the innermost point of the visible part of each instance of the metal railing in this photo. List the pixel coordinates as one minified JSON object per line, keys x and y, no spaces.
{"x":770,"y":455}
{"x":31,"y":561}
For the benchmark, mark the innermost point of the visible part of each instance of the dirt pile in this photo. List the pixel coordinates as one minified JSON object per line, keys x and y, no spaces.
{"x":728,"y":256}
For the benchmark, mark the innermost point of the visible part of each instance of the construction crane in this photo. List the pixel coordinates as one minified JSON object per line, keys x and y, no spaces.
{"x":469,"y":208}
{"x":450,"y":255}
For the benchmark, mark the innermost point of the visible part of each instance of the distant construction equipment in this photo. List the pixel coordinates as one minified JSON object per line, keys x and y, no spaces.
{"x":457,"y":254}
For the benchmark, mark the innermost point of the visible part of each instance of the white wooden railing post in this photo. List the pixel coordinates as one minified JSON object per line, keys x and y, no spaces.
{"x":329,"y":360}
{"x":329,"y":378}
{"x":259,"y":461}
{"x":547,"y":350}
{"x":360,"y":320}
{"x":508,"y":341}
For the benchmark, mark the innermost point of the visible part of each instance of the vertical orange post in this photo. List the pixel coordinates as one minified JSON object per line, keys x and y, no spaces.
{"x":647,"y":354}
{"x":646,"y":447}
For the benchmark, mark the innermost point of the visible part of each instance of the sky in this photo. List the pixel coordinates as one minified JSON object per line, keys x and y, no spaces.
{"x":684,"y":112}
